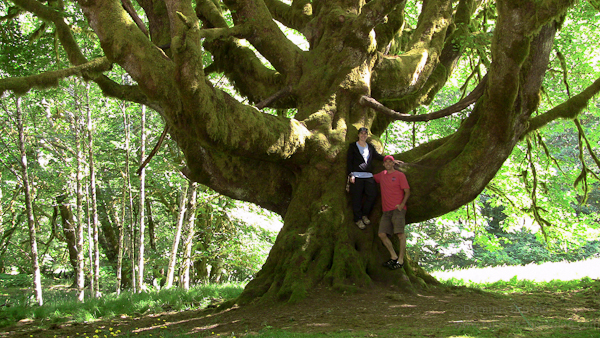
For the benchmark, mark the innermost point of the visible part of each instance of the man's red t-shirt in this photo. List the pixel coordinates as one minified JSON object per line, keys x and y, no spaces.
{"x":392,"y":188}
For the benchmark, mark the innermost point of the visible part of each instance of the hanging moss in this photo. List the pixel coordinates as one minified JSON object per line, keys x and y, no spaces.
{"x":21,"y":85}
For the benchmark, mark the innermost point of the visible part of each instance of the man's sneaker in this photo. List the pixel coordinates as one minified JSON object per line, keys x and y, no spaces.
{"x":390,"y":263}
{"x":366,"y":220}
{"x":360,"y":224}
{"x":397,"y":266}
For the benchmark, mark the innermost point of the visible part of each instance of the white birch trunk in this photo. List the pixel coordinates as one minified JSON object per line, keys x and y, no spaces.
{"x":96,"y":280}
{"x":142,"y":201}
{"x":89,"y":234}
{"x":37,"y":277}
{"x":123,"y":204}
{"x":190,"y":231}
{"x":173,"y":256}
{"x":79,"y":206}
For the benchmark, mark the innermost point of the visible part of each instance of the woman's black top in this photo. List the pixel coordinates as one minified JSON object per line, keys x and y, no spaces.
{"x":356,"y":162}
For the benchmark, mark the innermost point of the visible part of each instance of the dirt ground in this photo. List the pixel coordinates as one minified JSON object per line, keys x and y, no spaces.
{"x":376,"y":312}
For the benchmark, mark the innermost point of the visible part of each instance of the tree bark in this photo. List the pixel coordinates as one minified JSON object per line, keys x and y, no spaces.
{"x":79,"y":233}
{"x":142,"y":220}
{"x":70,"y":233}
{"x":37,"y":277}
{"x":190,"y":222}
{"x":128,"y":201}
{"x":90,"y":130}
{"x":151,"y":226}
{"x":112,"y":240}
{"x":90,"y":240}
{"x":174,"y":248}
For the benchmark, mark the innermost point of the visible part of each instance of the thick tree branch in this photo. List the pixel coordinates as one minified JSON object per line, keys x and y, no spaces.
{"x":389,"y":32}
{"x":264,"y":183}
{"x":385,"y":89}
{"x":125,"y":44}
{"x":525,"y":63}
{"x":21,"y":85}
{"x":245,"y":131}
{"x":295,"y":16}
{"x":569,"y":109}
{"x":128,"y":6}
{"x":210,"y":14}
{"x":430,"y":32}
{"x":267,"y":38}
{"x":186,"y":47}
{"x":76,"y":57}
{"x":241,"y":66}
{"x":493,"y":128}
{"x":158,"y":21}
{"x":245,"y":71}
{"x":238,"y":31}
{"x":462,"y":104}
{"x":375,"y":11}
{"x":547,"y":11}
{"x":397,"y":76}
{"x":453,"y":49}
{"x":280,"y":94}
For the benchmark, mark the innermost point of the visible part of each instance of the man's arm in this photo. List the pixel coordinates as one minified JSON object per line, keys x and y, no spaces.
{"x":403,"y":203}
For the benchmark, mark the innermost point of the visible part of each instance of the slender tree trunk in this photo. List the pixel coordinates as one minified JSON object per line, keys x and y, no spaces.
{"x":109,"y":226}
{"x":216,"y":270}
{"x":90,"y":240}
{"x":151,"y":225}
{"x":123,"y":206}
{"x":132,"y":238}
{"x":79,"y":206}
{"x":121,"y":227}
{"x":190,"y":231}
{"x":1,"y":224}
{"x":142,"y":221}
{"x":37,"y":278}
{"x":2,"y":231}
{"x":127,"y":204}
{"x":69,"y":231}
{"x":90,"y":129}
{"x":180,"y":220}
{"x":201,"y":266}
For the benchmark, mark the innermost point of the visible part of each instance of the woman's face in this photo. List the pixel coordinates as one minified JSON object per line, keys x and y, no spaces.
{"x":362,"y":136}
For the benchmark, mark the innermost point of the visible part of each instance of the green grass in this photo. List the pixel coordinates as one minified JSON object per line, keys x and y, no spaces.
{"x":60,"y":306}
{"x":516,"y":285}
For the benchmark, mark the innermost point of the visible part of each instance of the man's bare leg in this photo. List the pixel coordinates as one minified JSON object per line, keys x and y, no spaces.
{"x":388,"y":244}
{"x":402,"y":238}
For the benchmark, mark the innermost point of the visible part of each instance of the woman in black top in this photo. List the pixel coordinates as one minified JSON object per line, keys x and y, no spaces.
{"x":360,"y":173}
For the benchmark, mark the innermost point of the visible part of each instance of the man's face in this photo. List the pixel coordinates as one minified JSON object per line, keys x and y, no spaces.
{"x":388,"y":164}
{"x":363,"y":135}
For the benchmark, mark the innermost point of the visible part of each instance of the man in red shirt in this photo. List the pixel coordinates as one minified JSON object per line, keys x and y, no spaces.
{"x":394,"y":194}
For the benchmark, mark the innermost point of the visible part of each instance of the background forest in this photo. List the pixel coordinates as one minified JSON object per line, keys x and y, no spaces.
{"x":542,"y":206}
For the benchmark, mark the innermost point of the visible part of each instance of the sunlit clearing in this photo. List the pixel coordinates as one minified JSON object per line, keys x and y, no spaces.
{"x":540,"y":273}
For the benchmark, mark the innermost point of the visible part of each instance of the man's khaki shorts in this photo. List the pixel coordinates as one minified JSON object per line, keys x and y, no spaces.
{"x":392,"y":220}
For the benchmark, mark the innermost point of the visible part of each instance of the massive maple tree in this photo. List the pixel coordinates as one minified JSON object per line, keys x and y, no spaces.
{"x":364,"y":67}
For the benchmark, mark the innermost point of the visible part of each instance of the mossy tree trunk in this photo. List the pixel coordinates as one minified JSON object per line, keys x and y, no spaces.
{"x":69,"y":229}
{"x":362,"y":68}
